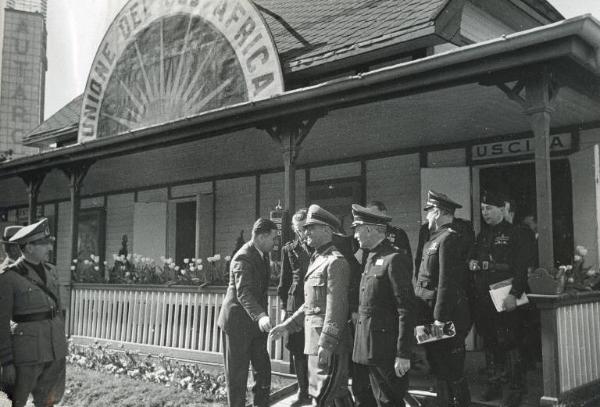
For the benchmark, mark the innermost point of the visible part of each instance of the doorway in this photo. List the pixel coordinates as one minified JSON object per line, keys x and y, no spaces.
{"x":517,"y":181}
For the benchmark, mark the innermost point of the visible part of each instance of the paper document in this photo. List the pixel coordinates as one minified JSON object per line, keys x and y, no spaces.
{"x":500,"y":290}
{"x":431,"y":333}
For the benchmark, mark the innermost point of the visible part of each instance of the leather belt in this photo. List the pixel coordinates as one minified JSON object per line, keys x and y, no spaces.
{"x":36,"y":316}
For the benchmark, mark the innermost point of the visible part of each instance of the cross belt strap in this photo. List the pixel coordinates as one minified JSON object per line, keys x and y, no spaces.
{"x":36,"y":316}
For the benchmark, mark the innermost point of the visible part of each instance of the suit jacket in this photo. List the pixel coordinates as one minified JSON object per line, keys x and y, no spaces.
{"x":20,"y":294}
{"x":386,"y":311}
{"x":247,"y":293}
{"x":440,"y":285}
{"x":324,"y":314}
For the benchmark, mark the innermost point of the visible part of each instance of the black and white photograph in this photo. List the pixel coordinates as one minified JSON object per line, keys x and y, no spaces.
{"x":327,"y":203}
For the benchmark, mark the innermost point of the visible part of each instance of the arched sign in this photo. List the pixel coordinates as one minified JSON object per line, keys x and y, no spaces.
{"x":162,"y":60}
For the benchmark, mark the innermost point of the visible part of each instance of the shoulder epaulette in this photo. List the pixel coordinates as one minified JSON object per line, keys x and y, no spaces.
{"x":336,"y":253}
{"x":452,"y":230}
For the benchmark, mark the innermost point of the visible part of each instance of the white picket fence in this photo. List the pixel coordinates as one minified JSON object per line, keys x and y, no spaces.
{"x":179,"y":322}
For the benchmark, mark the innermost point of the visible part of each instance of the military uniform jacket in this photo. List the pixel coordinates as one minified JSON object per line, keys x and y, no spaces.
{"x":439,"y":285}
{"x":294,"y":263}
{"x":247,"y":293}
{"x":386,"y":308}
{"x":20,"y":294}
{"x":348,"y":246}
{"x":324,"y":314}
{"x":503,"y":248}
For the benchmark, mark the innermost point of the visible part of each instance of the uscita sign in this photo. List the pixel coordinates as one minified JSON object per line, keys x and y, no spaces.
{"x":520,"y":147}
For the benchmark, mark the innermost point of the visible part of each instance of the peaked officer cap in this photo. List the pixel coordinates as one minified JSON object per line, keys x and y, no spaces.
{"x":367,"y":216}
{"x":319,"y":216}
{"x":493,"y":198}
{"x":439,"y":200}
{"x":9,"y":232}
{"x":33,"y":233}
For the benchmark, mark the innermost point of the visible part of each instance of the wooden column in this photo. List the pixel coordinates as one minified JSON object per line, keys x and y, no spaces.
{"x":540,"y":92}
{"x":540,"y":95}
{"x":290,"y":133}
{"x":75,"y":173}
{"x":33,"y":180}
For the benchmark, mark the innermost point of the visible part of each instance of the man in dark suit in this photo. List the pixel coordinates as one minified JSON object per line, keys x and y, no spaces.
{"x":33,"y":346}
{"x":295,"y":257}
{"x":244,"y":317}
{"x":384,"y":331}
{"x":441,"y":298}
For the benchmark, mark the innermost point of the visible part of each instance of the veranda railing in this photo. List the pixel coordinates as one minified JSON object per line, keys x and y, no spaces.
{"x":179,"y":322}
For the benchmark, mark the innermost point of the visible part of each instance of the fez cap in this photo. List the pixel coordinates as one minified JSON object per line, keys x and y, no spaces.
{"x":493,"y":198}
{"x":33,"y":233}
{"x":439,"y":200}
{"x":319,"y":216}
{"x":9,"y":232}
{"x":368,"y":216}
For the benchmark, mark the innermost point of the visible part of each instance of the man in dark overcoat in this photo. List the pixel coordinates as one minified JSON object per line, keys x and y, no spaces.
{"x":324,"y":314}
{"x":33,"y":347}
{"x":442,"y":298}
{"x":383,"y":337}
{"x":244,"y":317}
{"x":294,"y":264}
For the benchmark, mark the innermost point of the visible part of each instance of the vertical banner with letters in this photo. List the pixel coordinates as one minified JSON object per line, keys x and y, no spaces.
{"x":22,"y":81}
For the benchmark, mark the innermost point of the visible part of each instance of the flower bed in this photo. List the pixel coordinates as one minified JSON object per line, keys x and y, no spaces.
{"x":190,"y":377}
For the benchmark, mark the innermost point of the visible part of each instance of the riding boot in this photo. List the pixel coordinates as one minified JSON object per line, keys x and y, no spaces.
{"x":493,"y":388}
{"x":302,"y":397}
{"x":444,"y":398}
{"x":517,"y":384}
{"x":462,"y":395}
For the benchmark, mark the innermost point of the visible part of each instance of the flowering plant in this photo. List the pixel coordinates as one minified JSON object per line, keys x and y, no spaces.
{"x":578,"y":277}
{"x":149,"y":368}
{"x":136,"y":269}
{"x":87,"y":270}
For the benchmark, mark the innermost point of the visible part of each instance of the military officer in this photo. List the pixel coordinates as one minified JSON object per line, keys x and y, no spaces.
{"x":396,"y":235}
{"x":32,"y":352}
{"x":294,"y":264}
{"x":12,"y":255}
{"x":324,"y":314}
{"x":441,"y":298}
{"x":244,"y":317}
{"x":499,"y":254}
{"x":384,"y":332}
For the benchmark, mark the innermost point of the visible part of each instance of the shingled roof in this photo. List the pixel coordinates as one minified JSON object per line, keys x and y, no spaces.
{"x":316,"y":31}
{"x":310,"y":33}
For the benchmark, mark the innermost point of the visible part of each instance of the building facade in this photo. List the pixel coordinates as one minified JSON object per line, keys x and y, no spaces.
{"x":22,"y":78}
{"x":32,"y":6}
{"x":380,"y":100}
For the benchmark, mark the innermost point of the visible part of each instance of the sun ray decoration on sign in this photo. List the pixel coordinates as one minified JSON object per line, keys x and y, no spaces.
{"x":161,"y":94}
{"x":163,"y":61}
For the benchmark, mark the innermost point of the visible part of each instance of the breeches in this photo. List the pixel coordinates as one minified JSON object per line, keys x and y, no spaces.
{"x":45,"y":381}
{"x":388,"y":389}
{"x":238,"y":353}
{"x":328,"y":385}
{"x":447,"y":358}
{"x":500,"y":330}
